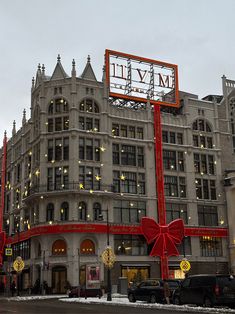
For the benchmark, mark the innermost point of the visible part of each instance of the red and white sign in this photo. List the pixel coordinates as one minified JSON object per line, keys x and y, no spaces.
{"x":138,"y":79}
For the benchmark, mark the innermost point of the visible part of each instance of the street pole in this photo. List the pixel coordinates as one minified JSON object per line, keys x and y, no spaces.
{"x":109,"y":286}
{"x":18,"y":273}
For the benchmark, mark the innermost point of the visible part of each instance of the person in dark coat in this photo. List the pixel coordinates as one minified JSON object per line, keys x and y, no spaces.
{"x":167,"y":291}
{"x":13,"y":288}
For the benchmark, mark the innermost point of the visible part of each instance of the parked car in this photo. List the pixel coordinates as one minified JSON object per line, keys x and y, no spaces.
{"x":84,"y":293}
{"x":206,"y":290}
{"x":151,"y":290}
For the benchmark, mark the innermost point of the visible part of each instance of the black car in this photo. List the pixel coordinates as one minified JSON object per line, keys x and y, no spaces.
{"x":206,"y":290}
{"x":151,"y":290}
{"x":81,"y":291}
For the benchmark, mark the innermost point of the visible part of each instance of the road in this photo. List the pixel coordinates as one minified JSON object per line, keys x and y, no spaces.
{"x":53,"y":306}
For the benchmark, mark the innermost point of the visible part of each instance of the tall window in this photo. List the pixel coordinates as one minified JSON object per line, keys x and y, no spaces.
{"x":205,"y":189}
{"x":50,"y":212}
{"x":175,"y":186}
{"x":58,"y":178}
{"x":176,"y":211}
{"x":58,"y":149}
{"x":128,"y":182}
{"x":129,"y":211}
{"x":96,"y":211}
{"x":82,"y":211}
{"x":89,"y":177}
{"x":173,"y":160}
{"x":204,"y":164}
{"x":202,"y":134}
{"x":207,"y":215}
{"x":64,"y":211}
{"x":210,"y":246}
{"x":89,"y":149}
{"x":128,"y":155}
{"x":58,"y":108}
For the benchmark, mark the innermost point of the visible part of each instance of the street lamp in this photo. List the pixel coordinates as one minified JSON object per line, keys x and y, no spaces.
{"x":108,"y":258}
{"x":18,"y":253}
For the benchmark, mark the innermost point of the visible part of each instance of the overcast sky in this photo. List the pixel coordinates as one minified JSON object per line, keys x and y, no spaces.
{"x":198,"y":35}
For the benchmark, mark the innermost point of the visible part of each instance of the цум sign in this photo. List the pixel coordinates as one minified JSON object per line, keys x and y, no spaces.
{"x":138,"y":79}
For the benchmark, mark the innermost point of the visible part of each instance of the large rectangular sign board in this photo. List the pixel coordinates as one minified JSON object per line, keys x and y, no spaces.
{"x":138,"y":79}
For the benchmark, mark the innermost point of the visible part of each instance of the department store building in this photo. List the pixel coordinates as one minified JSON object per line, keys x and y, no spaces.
{"x":82,"y":165}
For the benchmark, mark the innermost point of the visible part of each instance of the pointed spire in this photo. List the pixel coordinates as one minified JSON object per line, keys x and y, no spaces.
{"x":104,"y":74}
{"x":24,"y":117}
{"x":39,"y":67}
{"x":14,"y":128}
{"x":5,"y":134}
{"x":88,"y":72}
{"x":58,"y":58}
{"x":73,"y":72}
{"x":88,"y":59}
{"x":43,"y":69}
{"x":33,"y":82}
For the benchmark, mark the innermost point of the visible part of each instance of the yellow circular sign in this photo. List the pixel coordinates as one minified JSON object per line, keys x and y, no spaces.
{"x":108,"y":257}
{"x":18,"y":264}
{"x":185,"y":265}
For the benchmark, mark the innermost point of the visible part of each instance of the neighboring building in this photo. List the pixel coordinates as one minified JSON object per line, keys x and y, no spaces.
{"x":80,"y":157}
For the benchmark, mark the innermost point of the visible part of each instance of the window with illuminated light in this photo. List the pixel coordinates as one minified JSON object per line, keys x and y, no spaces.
{"x":202,"y":134}
{"x":64,"y":211}
{"x":58,"y":110}
{"x":59,"y":247}
{"x":87,"y":247}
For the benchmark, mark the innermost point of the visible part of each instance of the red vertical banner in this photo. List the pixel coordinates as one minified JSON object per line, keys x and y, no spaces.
{"x":160,"y":183}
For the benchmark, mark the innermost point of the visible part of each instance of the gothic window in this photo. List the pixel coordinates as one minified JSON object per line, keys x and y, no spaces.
{"x":89,"y":105}
{"x":50,"y":212}
{"x":64,"y":211}
{"x":82,"y":211}
{"x":96,"y":211}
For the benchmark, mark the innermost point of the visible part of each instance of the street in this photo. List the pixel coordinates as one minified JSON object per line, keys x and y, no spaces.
{"x":56,"y":307}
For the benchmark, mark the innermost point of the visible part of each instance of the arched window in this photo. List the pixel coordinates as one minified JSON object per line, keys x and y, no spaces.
{"x":89,"y":105}
{"x":64,"y":211}
{"x":87,"y":247}
{"x":39,"y":250}
{"x":96,"y":211}
{"x":82,"y":211}
{"x":50,"y":212}
{"x":59,"y":247}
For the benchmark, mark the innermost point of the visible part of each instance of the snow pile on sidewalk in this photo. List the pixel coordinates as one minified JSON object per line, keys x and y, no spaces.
{"x":36,"y":297}
{"x":125,"y":302}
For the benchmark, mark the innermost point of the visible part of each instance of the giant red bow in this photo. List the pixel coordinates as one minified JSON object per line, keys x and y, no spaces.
{"x":165,"y":237}
{"x":2,"y":244}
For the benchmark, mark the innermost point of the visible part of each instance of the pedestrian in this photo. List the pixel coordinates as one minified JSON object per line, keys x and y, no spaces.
{"x":13,"y":288}
{"x":167,"y":291}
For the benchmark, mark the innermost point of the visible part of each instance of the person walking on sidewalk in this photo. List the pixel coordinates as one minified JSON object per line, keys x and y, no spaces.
{"x":167,"y":291}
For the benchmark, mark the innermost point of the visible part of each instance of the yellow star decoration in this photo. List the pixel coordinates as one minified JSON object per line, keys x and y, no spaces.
{"x":102,"y":148}
{"x":122,"y":177}
{"x":97,"y":177}
{"x":81,"y":186}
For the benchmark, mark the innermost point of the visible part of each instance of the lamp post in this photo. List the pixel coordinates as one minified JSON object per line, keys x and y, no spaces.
{"x":18,"y":253}
{"x":108,"y":258}
{"x":109,"y":285}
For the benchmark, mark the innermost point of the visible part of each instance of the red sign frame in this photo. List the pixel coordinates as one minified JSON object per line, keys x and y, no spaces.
{"x":162,"y":79}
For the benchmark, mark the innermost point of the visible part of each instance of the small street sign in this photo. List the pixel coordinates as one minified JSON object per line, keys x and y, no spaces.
{"x":8,"y":251}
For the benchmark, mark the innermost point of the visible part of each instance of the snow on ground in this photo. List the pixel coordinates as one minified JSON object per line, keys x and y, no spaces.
{"x":123,"y":301}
